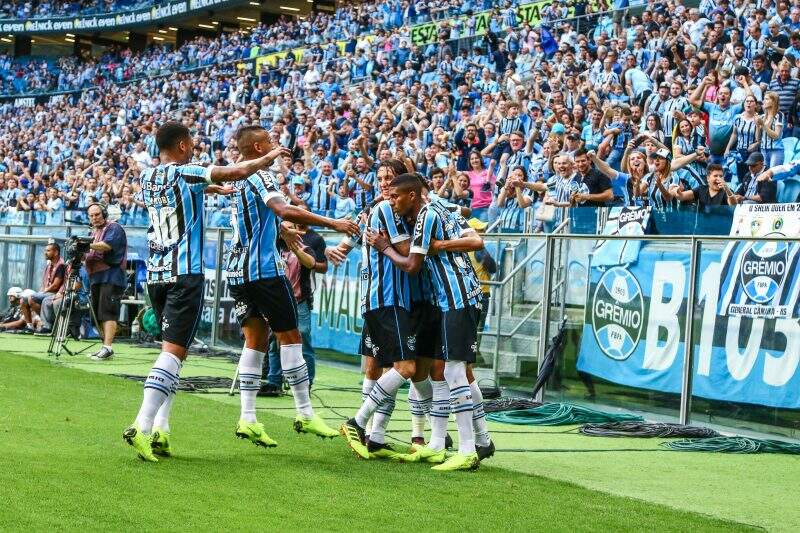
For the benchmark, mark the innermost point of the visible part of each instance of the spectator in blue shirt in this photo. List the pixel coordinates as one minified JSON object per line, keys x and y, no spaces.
{"x":720,"y":115}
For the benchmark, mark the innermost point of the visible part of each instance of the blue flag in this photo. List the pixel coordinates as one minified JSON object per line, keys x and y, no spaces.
{"x":549,"y":45}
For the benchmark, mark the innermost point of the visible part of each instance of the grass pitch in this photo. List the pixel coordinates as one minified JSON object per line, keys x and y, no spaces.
{"x":65,"y":466}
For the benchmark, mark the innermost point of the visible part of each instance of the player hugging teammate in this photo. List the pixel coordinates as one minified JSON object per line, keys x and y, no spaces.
{"x":404,"y":274}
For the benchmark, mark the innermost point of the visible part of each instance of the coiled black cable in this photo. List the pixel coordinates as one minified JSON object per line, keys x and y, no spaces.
{"x":646,"y":430}
{"x":508,"y":404}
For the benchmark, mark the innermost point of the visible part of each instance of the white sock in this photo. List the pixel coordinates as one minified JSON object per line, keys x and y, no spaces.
{"x":383,"y":390}
{"x":440,"y":412}
{"x":366,"y":388}
{"x":380,"y":419}
{"x":419,"y":399}
{"x":108,"y":348}
{"x":157,"y":388}
{"x":250,"y":365}
{"x":161,"y":421}
{"x":296,"y":373}
{"x":479,"y":425}
{"x":455,"y":373}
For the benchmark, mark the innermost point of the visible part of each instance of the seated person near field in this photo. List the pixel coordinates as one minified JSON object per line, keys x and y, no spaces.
{"x":52,"y":304}
{"x":52,"y":279}
{"x":11,"y":319}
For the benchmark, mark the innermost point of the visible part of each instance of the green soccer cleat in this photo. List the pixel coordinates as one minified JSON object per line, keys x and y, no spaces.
{"x":354,"y":435}
{"x":254,"y":432}
{"x":382,"y":451}
{"x":423,"y":454}
{"x":459,"y":462}
{"x":159,"y":443}
{"x":140,"y":443}
{"x":315,"y":426}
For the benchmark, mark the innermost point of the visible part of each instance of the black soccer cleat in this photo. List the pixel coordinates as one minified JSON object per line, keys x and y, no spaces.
{"x":484,"y":452}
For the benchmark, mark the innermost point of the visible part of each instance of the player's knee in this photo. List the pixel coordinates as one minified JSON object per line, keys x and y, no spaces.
{"x":289,"y":337}
{"x":437,"y":370}
{"x":405,"y":368}
{"x":423,"y":369}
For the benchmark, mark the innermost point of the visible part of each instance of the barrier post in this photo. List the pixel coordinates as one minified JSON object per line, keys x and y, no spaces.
{"x":498,"y":313}
{"x":217,"y":287}
{"x":544,"y":328}
{"x":688,"y":341}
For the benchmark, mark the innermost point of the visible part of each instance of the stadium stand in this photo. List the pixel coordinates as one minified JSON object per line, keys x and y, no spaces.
{"x":482,"y":112}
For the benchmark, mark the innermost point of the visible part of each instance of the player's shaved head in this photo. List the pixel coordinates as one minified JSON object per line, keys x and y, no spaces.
{"x":170,"y":134}
{"x":408,"y":182}
{"x":246,"y":138}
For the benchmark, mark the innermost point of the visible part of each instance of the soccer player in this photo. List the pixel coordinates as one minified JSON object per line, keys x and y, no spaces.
{"x":262,"y":292}
{"x":429,"y":356}
{"x":388,"y":332}
{"x":458,"y":296}
{"x":385,"y":173}
{"x":173,"y":193}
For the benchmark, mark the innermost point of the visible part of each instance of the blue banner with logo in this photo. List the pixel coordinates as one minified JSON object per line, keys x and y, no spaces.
{"x":634,"y":327}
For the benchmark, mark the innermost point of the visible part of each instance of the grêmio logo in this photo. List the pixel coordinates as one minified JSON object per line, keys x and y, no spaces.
{"x":763,"y":270}
{"x":617,"y":308}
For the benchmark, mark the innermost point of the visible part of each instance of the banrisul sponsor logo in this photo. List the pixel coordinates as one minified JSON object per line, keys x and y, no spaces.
{"x":763,"y":269}
{"x":617,"y":313}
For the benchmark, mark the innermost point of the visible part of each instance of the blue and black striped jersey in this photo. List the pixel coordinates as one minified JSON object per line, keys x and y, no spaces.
{"x":421,"y":284}
{"x":173,"y":195}
{"x":453,"y":277}
{"x":253,"y":253}
{"x":382,"y":283}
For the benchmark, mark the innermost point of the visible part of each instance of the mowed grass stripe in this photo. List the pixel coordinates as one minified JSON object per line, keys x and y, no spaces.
{"x":65,"y":467}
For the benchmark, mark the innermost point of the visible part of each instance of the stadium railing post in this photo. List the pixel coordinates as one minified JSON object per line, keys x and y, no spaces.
{"x":545,"y":318}
{"x":498,"y":313}
{"x":217,"y":287}
{"x":688,"y":341}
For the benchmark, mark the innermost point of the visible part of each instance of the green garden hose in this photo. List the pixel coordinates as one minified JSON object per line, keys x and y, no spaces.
{"x":559,"y":414}
{"x":733,"y":445}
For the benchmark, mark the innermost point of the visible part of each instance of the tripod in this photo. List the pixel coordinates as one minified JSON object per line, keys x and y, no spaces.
{"x":61,"y":327}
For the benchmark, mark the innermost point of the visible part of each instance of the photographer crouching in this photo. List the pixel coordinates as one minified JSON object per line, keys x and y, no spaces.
{"x":105,"y":263}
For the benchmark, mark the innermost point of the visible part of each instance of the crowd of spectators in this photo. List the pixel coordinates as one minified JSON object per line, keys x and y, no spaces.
{"x":388,"y":20}
{"x":676,"y":108}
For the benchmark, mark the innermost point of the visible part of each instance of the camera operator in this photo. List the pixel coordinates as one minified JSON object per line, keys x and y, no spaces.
{"x":105,"y":264}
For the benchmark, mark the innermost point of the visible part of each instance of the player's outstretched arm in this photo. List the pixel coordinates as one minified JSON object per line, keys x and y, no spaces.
{"x":412,"y":263}
{"x":298,"y":215}
{"x":468,"y":242}
{"x":243,"y":169}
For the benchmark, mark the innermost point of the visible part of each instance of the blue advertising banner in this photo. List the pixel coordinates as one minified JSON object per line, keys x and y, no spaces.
{"x":634,"y":329}
{"x":336,"y":318}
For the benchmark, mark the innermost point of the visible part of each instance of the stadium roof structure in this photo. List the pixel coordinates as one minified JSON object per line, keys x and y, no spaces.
{"x":191,"y":12}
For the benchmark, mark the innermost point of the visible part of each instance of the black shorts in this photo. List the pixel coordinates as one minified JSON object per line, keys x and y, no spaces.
{"x":426,"y":319}
{"x":363,"y":349}
{"x":389,"y":336}
{"x":271,"y":299}
{"x":106,"y":300}
{"x":460,"y":334}
{"x":178,"y":306}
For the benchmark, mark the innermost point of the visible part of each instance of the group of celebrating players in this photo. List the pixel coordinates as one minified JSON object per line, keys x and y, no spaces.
{"x":421,"y":301}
